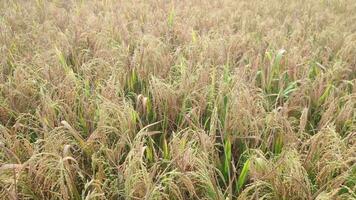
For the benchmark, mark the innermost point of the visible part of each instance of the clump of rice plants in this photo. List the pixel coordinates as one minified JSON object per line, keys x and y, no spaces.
{"x":237,"y":100}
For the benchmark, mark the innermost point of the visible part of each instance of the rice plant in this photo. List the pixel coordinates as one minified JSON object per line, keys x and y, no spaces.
{"x":215,"y":100}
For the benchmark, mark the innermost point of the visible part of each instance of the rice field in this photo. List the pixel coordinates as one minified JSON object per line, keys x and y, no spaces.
{"x":178,"y":100}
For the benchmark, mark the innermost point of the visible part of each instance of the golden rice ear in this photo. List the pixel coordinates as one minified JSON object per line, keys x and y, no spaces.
{"x":67,"y":150}
{"x":303,"y":120}
{"x":139,"y":98}
{"x":74,"y":133}
{"x":144,"y":104}
{"x":282,"y":177}
{"x":10,"y":154}
{"x":141,"y":104}
{"x":259,"y":166}
{"x":15,"y":167}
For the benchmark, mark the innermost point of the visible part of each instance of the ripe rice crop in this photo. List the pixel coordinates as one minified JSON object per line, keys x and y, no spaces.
{"x":219,"y":99}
